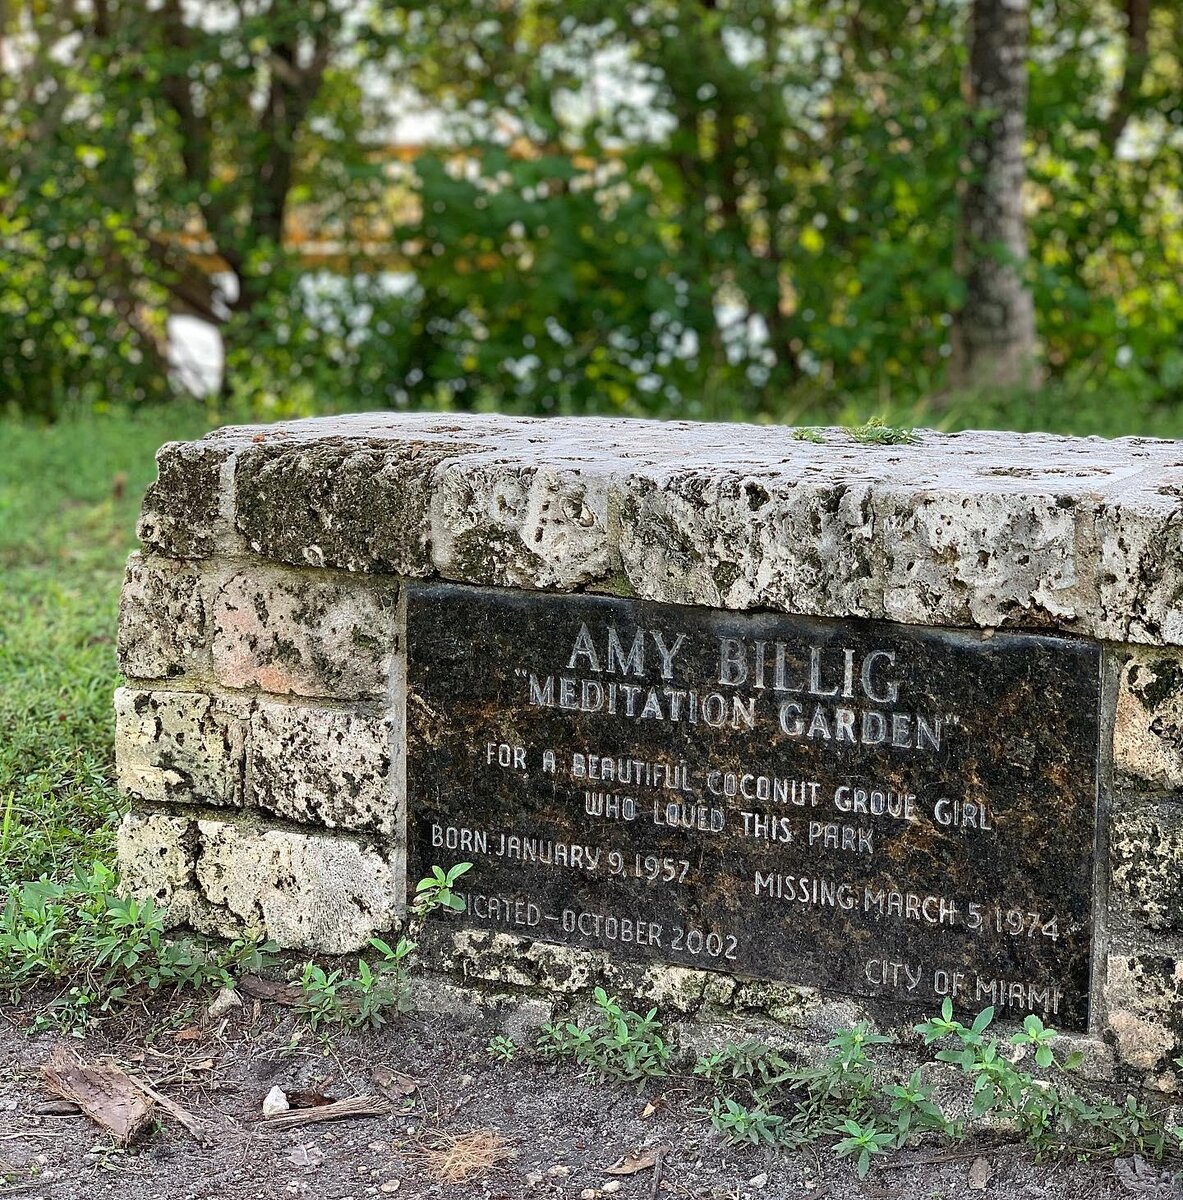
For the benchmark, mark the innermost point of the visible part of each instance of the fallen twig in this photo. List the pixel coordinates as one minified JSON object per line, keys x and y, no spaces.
{"x":658,"y":1165}
{"x":934,"y":1160}
{"x":358,"y":1106}
{"x":198,"y":1128}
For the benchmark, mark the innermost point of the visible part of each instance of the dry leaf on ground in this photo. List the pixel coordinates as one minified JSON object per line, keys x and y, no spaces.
{"x":393,"y":1084}
{"x":630,"y":1164}
{"x":305,"y":1156}
{"x":1146,"y":1179}
{"x":979,"y":1174}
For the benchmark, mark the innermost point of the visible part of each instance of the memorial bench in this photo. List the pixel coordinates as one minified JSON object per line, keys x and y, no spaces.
{"x":704,"y":705}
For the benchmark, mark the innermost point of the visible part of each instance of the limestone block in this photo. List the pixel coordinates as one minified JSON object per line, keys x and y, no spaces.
{"x":311,"y":892}
{"x":986,"y":559}
{"x":321,"y":766}
{"x":1148,"y":728}
{"x":317,"y":892}
{"x":183,"y":514}
{"x":303,"y":633}
{"x":158,"y":858}
{"x":179,"y":747}
{"x":352,"y":505}
{"x":668,"y":988}
{"x":162,"y":619}
{"x":1140,"y":563}
{"x":519,"y":526}
{"x":1146,"y":849}
{"x":754,"y":541}
{"x":1143,"y":999}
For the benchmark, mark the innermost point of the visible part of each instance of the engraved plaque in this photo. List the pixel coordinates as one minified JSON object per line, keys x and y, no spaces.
{"x":896,"y":813}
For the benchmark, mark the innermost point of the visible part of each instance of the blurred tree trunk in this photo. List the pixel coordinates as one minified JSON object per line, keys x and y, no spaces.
{"x":1137,"y":58}
{"x":994,"y":337}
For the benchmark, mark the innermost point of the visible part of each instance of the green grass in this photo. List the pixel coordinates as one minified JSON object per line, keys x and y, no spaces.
{"x":64,"y":535}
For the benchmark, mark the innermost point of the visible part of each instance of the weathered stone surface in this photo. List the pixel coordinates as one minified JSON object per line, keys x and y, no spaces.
{"x":315,"y":892}
{"x":971,"y":528}
{"x":158,"y":858}
{"x":519,"y":526}
{"x":350,"y":505}
{"x":956,"y":557}
{"x":322,"y":766}
{"x":303,"y":633}
{"x":1146,"y":848}
{"x":1139,"y":541}
{"x":179,"y":747}
{"x":754,"y":542}
{"x":1143,"y":997}
{"x":1148,"y":727}
{"x":163,"y":627}
{"x":814,"y":802}
{"x":978,"y":529}
{"x":182,"y":514}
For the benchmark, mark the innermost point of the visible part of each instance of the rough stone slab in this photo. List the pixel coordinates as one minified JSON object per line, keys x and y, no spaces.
{"x":1139,"y":538}
{"x":958,"y":557}
{"x":321,"y":766}
{"x":314,"y":892}
{"x":182,"y":515}
{"x":1148,"y":727}
{"x":753,"y":542}
{"x":1143,"y":996}
{"x":179,"y":747}
{"x":1077,"y":534}
{"x":349,"y":505}
{"x":1146,"y":848}
{"x":158,"y":858}
{"x":519,"y":526}
{"x":303,"y":633}
{"x":163,"y":626}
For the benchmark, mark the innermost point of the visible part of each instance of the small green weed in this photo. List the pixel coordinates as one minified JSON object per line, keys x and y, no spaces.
{"x":807,"y":433}
{"x":368,"y":997}
{"x":862,"y":1142}
{"x":365,"y":999}
{"x":876,"y":432}
{"x":436,"y":891}
{"x":502,"y":1048}
{"x":616,"y":1044}
{"x":738,"y":1124}
{"x":759,"y":1097}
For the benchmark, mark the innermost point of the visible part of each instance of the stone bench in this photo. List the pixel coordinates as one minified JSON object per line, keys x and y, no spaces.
{"x":987,"y":623}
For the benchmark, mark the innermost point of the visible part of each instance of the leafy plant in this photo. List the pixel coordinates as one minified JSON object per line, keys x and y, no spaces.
{"x":502,"y":1048}
{"x":369,"y":996}
{"x":759,"y":1097}
{"x":365,"y":999}
{"x":863,"y":1141}
{"x":105,"y":949}
{"x":436,"y":890}
{"x":619,"y":1044}
{"x":738,"y":1124}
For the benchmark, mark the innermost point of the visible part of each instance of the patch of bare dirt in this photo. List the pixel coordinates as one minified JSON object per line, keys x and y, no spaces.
{"x":447,"y":1121}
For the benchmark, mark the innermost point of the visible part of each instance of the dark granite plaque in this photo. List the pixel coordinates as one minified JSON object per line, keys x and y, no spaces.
{"x":893,"y":812}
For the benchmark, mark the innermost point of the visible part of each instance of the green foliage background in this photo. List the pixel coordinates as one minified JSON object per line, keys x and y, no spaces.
{"x":770,"y":164}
